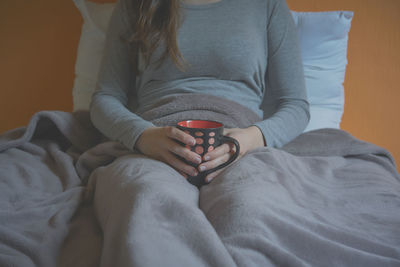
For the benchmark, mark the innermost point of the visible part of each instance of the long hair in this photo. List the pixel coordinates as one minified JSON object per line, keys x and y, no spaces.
{"x":156,"y":22}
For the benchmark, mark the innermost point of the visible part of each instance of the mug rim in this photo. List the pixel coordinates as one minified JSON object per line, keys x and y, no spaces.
{"x":216,"y":124}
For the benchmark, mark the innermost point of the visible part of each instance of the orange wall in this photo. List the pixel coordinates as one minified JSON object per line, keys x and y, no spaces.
{"x":39,"y":43}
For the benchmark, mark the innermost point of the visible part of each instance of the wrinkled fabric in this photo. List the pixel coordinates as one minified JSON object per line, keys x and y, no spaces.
{"x":325,"y":199}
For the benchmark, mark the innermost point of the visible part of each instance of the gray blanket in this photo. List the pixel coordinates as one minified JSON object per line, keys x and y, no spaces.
{"x":325,"y":199}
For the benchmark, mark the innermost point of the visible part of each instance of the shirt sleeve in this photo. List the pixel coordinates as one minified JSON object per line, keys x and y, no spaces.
{"x":285,"y":84}
{"x":116,"y":81}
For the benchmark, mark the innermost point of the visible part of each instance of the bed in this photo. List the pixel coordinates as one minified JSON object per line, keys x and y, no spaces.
{"x":343,"y":209}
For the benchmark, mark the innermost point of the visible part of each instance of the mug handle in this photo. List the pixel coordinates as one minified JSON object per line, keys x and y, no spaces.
{"x":225,"y":139}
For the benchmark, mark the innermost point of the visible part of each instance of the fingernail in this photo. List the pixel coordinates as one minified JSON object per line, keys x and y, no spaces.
{"x":198,"y":160}
{"x":206,"y":157}
{"x":202,"y":168}
{"x":194,"y":173}
{"x":209,"y":179}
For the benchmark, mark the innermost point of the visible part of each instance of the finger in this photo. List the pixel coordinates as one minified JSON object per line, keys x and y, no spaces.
{"x":179,"y":165}
{"x":180,"y":136}
{"x":217,"y":152}
{"x":214,"y":163}
{"x":212,"y":175}
{"x":183,"y":174}
{"x":183,"y":152}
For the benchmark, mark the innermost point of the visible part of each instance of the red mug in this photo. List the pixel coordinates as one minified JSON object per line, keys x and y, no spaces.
{"x":208,"y":135}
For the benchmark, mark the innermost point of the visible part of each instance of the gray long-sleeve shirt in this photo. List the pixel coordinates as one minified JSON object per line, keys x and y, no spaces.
{"x":244,"y":51}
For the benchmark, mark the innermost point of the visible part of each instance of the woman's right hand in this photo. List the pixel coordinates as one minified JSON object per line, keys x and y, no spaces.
{"x":160,"y":143}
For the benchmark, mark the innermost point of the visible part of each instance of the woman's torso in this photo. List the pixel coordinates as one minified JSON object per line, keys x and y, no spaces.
{"x":225,"y":46}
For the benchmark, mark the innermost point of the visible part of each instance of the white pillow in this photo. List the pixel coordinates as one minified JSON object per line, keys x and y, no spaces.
{"x":90,"y":50}
{"x":323,"y":40}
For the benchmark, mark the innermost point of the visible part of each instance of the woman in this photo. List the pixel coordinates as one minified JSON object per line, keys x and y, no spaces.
{"x":233,"y":52}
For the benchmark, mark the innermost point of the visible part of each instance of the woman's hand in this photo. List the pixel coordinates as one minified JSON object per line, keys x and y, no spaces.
{"x":160,"y":143}
{"x":249,"y":138}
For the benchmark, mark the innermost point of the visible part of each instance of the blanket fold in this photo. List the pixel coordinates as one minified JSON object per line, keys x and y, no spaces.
{"x":175,"y":108}
{"x":333,"y":142}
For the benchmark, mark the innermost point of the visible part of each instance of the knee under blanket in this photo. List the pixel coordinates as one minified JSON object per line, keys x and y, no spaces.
{"x":328,"y":198}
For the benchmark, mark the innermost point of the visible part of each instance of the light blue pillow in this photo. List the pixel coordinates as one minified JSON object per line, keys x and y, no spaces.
{"x":323,"y":40}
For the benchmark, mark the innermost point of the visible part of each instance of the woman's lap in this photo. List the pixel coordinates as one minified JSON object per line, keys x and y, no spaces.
{"x":136,"y":195}
{"x":139,"y":200}
{"x":144,"y":207}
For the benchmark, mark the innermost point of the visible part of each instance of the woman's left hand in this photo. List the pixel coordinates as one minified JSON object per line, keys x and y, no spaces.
{"x":249,"y":138}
